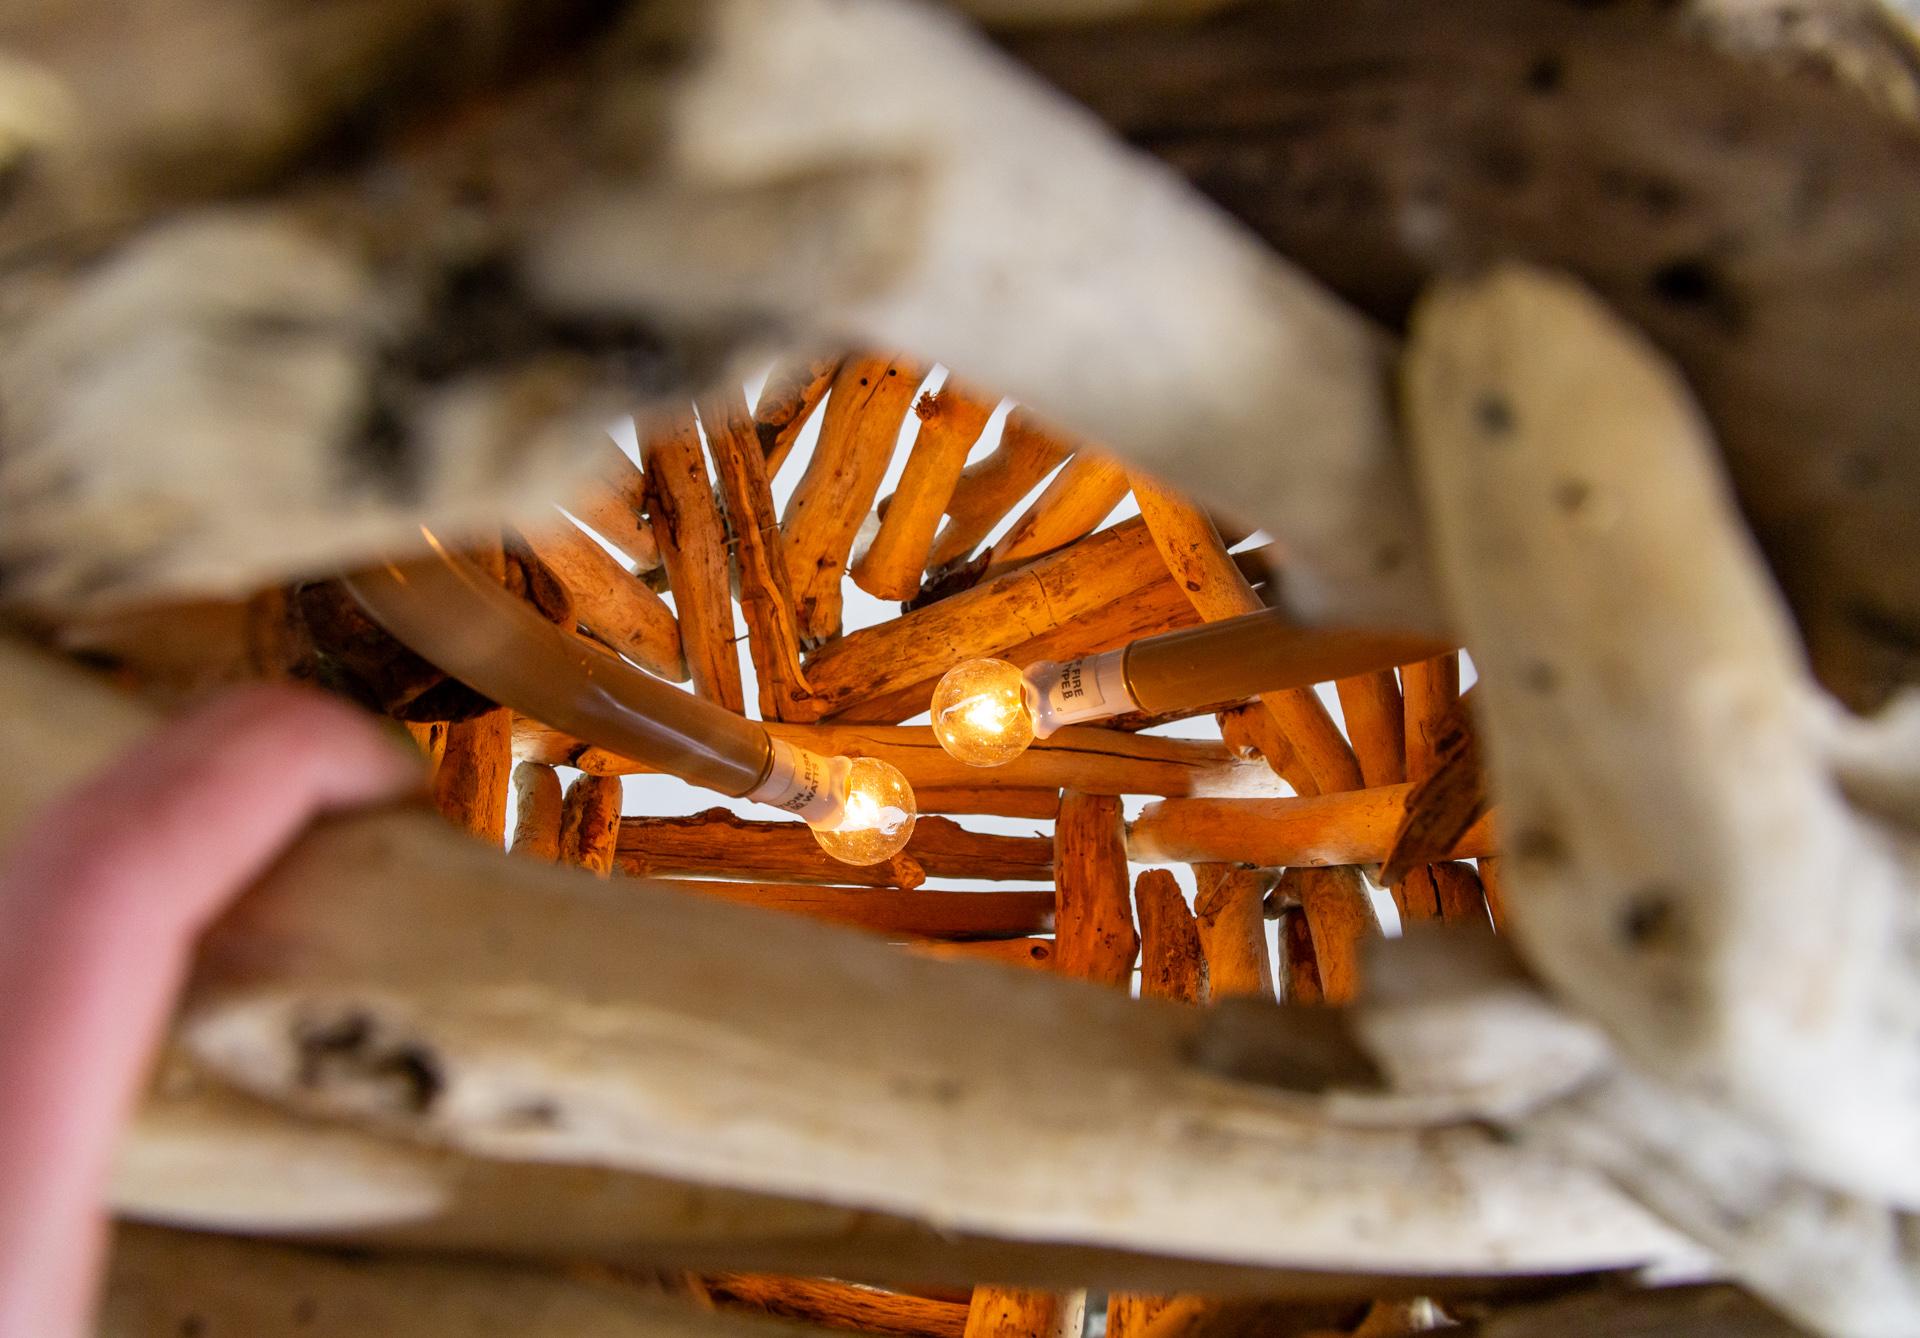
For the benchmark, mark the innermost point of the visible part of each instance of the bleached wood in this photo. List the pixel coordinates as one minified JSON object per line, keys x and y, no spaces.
{"x":992,"y":618}
{"x":1084,"y":492}
{"x":1086,"y":757}
{"x":1653,"y":728}
{"x":1201,"y":566}
{"x":609,"y":601}
{"x":793,"y":390}
{"x":988,"y":489}
{"x":718,"y":844}
{"x":693,"y":549}
{"x":1355,"y":827}
{"x":951,"y":420}
{"x":759,"y":560}
{"x":536,"y":811}
{"x":861,"y":427}
{"x":1299,"y":976}
{"x":1228,"y":911}
{"x":1093,"y":920}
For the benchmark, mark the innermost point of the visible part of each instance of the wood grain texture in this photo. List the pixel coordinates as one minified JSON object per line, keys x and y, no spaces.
{"x":794,"y":388}
{"x":1173,"y":965}
{"x":951,"y":421}
{"x":1340,"y":923}
{"x":836,"y":1305}
{"x":1229,"y":912}
{"x":1355,"y":827}
{"x":861,"y":427}
{"x":536,"y":817}
{"x":609,"y":601}
{"x":590,"y":824}
{"x":759,"y":559}
{"x":1071,"y":506}
{"x":1093,"y":921}
{"x":716,"y":843}
{"x":990,"y":488}
{"x":614,"y":507}
{"x":693,"y":549}
{"x":1373,"y":708}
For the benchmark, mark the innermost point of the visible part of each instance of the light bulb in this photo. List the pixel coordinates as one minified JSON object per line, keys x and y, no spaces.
{"x":876,"y":817}
{"x":980,"y":713}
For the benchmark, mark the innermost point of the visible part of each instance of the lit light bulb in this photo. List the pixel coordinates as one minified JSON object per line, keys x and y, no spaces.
{"x":980,"y":713}
{"x":876,"y":817}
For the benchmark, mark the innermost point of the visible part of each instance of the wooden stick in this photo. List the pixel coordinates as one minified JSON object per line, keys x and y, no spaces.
{"x":1002,"y":1312}
{"x":986,"y":491}
{"x":536,"y":821}
{"x":1155,"y":607}
{"x":1251,"y":731}
{"x":1431,"y":687}
{"x":836,"y":1305}
{"x":1173,"y":965}
{"x":897,"y":914}
{"x":951,"y":421}
{"x":1448,"y":801}
{"x":693,"y":548}
{"x":1354,"y":827}
{"x":1340,"y":920}
{"x":1093,"y":921}
{"x":1005,"y":803}
{"x":1085,"y":757}
{"x":794,"y":389}
{"x":1449,"y":891}
{"x":1299,"y":963}
{"x":1033,"y":954}
{"x":1084,"y":492}
{"x":1376,"y":725}
{"x":870,"y":399}
{"x":759,"y":559}
{"x":716,"y":843}
{"x":609,"y":601}
{"x":590,"y":823}
{"x":1201,"y":566}
{"x":476,"y":766}
{"x":1230,"y":914}
{"x":989,"y":619}
{"x":614,"y":506}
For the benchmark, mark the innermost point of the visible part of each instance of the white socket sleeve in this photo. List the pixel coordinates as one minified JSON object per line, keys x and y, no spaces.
{"x":806,"y":784}
{"x":1092,"y":688}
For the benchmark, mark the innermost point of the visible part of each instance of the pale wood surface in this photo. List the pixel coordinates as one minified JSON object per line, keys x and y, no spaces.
{"x":951,"y":420}
{"x":1356,"y":827}
{"x":608,"y":600}
{"x":989,"y":489}
{"x":536,"y":818}
{"x":793,"y":390}
{"x":1229,"y":913}
{"x":1071,"y":506}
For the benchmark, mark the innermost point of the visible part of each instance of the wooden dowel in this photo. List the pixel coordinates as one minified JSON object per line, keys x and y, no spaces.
{"x":989,"y":489}
{"x":895,"y":913}
{"x":793,"y":390}
{"x":609,"y":601}
{"x":1432,"y":687}
{"x":1230,"y":914}
{"x":536,"y":819}
{"x":836,"y":1305}
{"x":718,"y":844}
{"x":1299,"y":963}
{"x":858,"y":434}
{"x":1194,"y":553}
{"x":1093,"y":918}
{"x":1084,"y":493}
{"x":1354,"y":827}
{"x":1376,"y":725}
{"x":1173,"y":964}
{"x":989,"y":619}
{"x":693,"y":548}
{"x":613,"y":506}
{"x":1086,"y":757}
{"x":759,"y":560}
{"x":590,"y":823}
{"x":951,"y":421}
{"x":1340,"y":920}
